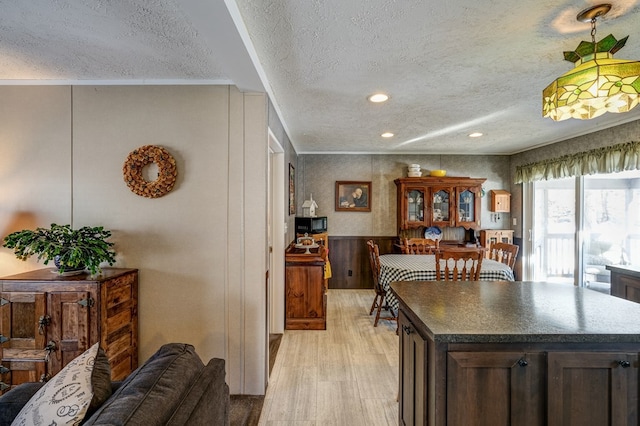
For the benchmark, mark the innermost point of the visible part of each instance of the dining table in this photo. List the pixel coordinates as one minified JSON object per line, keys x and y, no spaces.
{"x":422,"y":267}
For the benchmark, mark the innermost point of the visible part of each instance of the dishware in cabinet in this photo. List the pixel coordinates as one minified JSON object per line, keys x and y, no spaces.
{"x":438,"y":201}
{"x":468,"y":201}
{"x":442,"y":203}
{"x":412,"y":209}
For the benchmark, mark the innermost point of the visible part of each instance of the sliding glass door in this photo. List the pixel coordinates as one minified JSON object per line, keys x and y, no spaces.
{"x":611,"y":227}
{"x":554,"y":231}
{"x":580,"y":225}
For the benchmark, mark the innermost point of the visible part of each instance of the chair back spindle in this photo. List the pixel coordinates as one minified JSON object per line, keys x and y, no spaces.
{"x":505,"y":253}
{"x":420,"y":246}
{"x":459,"y":264}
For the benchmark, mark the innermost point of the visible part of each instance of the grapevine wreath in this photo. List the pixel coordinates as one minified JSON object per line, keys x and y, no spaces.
{"x":143,"y":156}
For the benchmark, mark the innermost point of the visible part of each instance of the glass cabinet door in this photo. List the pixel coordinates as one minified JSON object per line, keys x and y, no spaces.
{"x":441,"y":199}
{"x":466,"y":206}
{"x":415,"y":206}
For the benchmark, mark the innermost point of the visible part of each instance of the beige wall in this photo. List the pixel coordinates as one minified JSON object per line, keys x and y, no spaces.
{"x":318,"y":174}
{"x":200,"y":249}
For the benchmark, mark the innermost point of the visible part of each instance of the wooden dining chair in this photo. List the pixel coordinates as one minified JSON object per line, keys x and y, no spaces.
{"x":459,"y":264}
{"x":420,"y":246}
{"x":505,"y":253}
{"x":381,"y":294}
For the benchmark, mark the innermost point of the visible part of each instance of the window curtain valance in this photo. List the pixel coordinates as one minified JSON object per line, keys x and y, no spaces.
{"x":610,"y":159}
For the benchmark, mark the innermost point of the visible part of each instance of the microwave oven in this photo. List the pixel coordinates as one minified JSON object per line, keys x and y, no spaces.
{"x":311,"y":225}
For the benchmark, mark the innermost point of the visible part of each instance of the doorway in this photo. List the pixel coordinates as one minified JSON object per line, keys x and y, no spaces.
{"x":276,"y":247}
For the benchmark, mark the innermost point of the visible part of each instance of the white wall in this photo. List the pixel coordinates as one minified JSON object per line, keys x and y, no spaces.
{"x":201,"y":249}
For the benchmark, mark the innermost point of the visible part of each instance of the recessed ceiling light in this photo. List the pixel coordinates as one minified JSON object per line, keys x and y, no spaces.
{"x":378,"y":97}
{"x":387,"y":135}
{"x":475,"y":135}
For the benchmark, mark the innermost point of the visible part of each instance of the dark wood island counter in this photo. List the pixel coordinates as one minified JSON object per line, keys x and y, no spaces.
{"x":625,"y":282}
{"x":516,"y":353}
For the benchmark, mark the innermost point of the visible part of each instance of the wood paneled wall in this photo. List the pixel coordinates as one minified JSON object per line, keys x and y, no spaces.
{"x":349,"y":259}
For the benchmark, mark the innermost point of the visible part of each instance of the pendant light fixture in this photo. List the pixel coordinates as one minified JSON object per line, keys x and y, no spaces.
{"x":598,"y":83}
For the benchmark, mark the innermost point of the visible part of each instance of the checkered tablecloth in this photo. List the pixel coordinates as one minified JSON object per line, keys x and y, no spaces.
{"x":411,"y":267}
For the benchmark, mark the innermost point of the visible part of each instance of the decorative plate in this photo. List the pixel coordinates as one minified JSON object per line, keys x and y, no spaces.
{"x":433,"y":233}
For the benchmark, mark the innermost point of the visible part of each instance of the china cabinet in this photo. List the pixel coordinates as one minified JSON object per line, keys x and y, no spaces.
{"x":438,"y":201}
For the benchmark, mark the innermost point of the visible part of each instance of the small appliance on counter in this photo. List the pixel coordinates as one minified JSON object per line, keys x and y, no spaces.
{"x":311,"y":225}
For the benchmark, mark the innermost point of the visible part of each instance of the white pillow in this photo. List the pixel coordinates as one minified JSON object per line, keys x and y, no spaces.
{"x":65,"y":398}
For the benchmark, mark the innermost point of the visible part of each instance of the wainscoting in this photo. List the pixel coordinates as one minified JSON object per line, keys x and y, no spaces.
{"x":349,"y":259}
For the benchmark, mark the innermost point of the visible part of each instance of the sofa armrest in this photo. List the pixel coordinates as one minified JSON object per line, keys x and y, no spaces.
{"x":207,"y":401}
{"x":12,"y":402}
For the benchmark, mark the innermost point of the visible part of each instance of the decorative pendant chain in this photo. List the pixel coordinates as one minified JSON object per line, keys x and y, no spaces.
{"x":593,"y":34}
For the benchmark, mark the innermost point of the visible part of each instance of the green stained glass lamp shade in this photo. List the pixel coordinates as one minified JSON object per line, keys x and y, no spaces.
{"x":597,"y":84}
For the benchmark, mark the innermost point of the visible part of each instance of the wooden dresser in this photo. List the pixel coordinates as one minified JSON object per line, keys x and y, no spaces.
{"x":305,"y":289}
{"x":46,"y":320}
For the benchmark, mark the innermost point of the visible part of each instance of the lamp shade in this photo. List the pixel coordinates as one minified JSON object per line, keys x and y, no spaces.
{"x":597,"y":84}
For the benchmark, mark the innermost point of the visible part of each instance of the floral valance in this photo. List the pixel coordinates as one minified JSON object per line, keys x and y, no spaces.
{"x":610,"y":159}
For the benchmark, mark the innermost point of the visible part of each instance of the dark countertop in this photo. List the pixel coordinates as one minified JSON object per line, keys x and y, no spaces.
{"x":518,"y":312}
{"x":633,"y":271}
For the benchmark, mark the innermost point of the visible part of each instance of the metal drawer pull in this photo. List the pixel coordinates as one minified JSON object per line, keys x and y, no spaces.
{"x":523,"y":362}
{"x":624,"y":364}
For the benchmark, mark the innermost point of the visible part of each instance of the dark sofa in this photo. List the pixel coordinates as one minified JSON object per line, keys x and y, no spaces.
{"x":173,"y":387}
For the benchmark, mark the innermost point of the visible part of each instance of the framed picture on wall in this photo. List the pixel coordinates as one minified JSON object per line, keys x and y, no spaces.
{"x":353,"y":196}
{"x":292,"y":190}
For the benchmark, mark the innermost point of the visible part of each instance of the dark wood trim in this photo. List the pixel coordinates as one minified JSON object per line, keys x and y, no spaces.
{"x":349,"y":259}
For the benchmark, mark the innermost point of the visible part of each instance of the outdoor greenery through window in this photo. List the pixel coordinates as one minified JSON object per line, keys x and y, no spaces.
{"x":573,"y":241}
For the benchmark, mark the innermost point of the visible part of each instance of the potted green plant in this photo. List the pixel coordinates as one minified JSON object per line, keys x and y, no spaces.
{"x":70,"y":249}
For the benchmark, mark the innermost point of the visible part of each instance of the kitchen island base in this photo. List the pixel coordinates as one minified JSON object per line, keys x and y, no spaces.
{"x":464,"y":376}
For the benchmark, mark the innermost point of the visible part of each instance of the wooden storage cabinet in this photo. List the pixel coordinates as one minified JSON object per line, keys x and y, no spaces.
{"x":500,"y":201}
{"x":592,"y":388}
{"x":514,"y":384}
{"x":438,"y":201}
{"x":46,"y":320}
{"x":413,"y":369}
{"x":305,"y":289}
{"x":625,"y":282}
{"x":516,"y":355}
{"x":506,"y":387}
{"x":488,"y":236}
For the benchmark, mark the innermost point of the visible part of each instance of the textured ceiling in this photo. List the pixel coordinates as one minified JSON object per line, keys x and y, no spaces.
{"x":451,"y":67}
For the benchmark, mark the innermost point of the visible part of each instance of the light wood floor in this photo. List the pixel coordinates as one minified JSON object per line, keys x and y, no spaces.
{"x":345,"y":375}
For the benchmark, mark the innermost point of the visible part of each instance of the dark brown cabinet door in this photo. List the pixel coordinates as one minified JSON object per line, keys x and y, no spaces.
{"x":495,"y":388}
{"x":413,"y":380}
{"x":595,"y":389}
